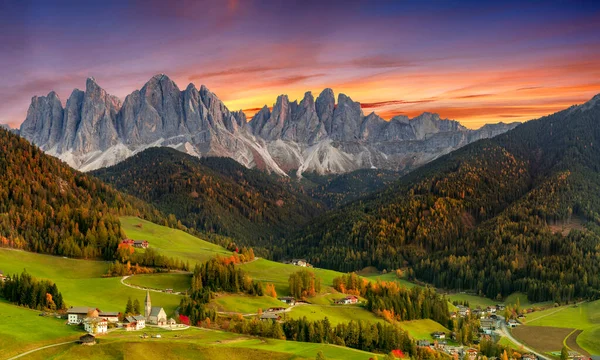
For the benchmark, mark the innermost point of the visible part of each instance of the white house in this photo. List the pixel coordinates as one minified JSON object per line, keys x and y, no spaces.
{"x":137,"y":322}
{"x":76,"y":314}
{"x":95,"y":325}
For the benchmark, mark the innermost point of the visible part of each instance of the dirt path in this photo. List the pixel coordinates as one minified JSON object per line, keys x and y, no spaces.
{"x":145,"y":288}
{"x":571,"y":342}
{"x":42,"y":348}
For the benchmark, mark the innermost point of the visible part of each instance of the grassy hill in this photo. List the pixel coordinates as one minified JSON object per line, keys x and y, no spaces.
{"x":81,"y":281}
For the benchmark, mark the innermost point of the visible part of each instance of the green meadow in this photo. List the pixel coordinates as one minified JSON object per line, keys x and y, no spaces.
{"x":23,"y":329}
{"x":422,"y":329}
{"x":585,"y":316}
{"x":197,"y":344}
{"x":245,"y":304}
{"x":81,"y":282}
{"x":179,"y":282}
{"x":335,"y":313}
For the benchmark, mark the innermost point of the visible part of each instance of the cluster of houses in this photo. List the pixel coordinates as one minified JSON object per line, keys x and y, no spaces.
{"x":143,"y":244}
{"x":97,"y":322}
{"x":463,"y":311}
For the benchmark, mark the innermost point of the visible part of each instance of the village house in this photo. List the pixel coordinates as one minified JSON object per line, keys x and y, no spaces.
{"x":76,"y":314}
{"x":488,"y":326}
{"x":171,"y":322}
{"x":500,"y":307}
{"x":155,"y":315}
{"x":273,"y":309}
{"x":137,"y":322}
{"x":512,"y":323}
{"x":491,"y":309}
{"x":347,"y":300}
{"x":423,"y":343}
{"x":95,"y":325}
{"x":2,"y":277}
{"x":270,"y":316}
{"x":300,"y":262}
{"x":288,"y":300}
{"x":141,"y":244}
{"x":438,"y":335}
{"x":111,"y":317}
{"x":529,"y":356}
{"x":128,"y":242}
{"x":87,"y":339}
{"x":471,"y":354}
{"x":463,"y":310}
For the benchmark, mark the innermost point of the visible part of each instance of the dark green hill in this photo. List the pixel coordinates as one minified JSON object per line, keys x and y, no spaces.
{"x":214,"y":194}
{"x":493,"y":216}
{"x":45,"y":206}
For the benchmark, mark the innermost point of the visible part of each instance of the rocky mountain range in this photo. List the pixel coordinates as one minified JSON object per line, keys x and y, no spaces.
{"x":95,"y":129}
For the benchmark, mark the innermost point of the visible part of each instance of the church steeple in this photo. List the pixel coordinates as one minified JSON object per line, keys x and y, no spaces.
{"x":148,"y":304}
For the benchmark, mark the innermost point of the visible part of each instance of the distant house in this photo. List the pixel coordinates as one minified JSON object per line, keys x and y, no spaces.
{"x":488,"y":326}
{"x":288,"y":300}
{"x":463,"y":310}
{"x":274,"y":309}
{"x":347,"y":300}
{"x":491,"y":309}
{"x":76,"y":314}
{"x":270,"y":316}
{"x":128,"y":242}
{"x":512,"y":323}
{"x":423,"y":343}
{"x":2,"y":277}
{"x":111,"y":317}
{"x":87,"y":339}
{"x":141,"y":244}
{"x":131,"y":323}
{"x":300,"y":262}
{"x":500,"y":307}
{"x":438,"y":335}
{"x":529,"y":357}
{"x":471,"y":354}
{"x":171,"y":322}
{"x":95,"y":325}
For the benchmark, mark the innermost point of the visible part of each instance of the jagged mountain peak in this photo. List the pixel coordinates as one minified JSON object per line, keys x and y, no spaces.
{"x":94,"y":129}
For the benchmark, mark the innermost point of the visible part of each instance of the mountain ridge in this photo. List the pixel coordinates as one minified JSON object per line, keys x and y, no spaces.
{"x":95,"y":129}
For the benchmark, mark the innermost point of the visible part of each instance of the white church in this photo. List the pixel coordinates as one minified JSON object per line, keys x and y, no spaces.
{"x":155,"y":315}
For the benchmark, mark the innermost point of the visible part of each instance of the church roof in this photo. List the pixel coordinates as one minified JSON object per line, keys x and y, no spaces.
{"x":156,"y":310}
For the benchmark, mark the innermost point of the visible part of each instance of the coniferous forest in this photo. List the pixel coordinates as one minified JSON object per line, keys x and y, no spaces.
{"x":488,"y":217}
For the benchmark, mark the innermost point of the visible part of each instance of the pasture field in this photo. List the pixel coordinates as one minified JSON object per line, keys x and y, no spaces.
{"x":504,"y":341}
{"x":179,"y":282}
{"x":23,"y":329}
{"x":171,"y":242}
{"x":542,"y":338}
{"x":585,"y":316}
{"x":474,"y":300}
{"x":197,"y":344}
{"x":245,"y":304}
{"x":81,"y":282}
{"x":335,"y":313}
{"x":422,"y":329}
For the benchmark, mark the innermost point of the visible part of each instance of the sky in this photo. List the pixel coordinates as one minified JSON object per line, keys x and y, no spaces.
{"x":476,"y":62}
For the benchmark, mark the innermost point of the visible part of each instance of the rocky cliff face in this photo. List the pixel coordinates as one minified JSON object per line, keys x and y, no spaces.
{"x":95,"y":130}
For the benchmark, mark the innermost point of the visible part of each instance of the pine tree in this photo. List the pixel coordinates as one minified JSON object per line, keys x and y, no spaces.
{"x":129,"y":307}
{"x":136,"y":307}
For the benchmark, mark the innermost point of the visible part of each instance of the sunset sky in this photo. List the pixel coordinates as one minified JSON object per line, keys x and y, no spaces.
{"x":504,"y":61}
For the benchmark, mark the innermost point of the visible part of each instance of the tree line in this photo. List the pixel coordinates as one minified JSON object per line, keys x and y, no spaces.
{"x":25,"y":290}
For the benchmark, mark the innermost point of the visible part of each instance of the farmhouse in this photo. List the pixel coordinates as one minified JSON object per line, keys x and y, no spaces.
{"x":111,"y":317}
{"x":347,"y":300}
{"x":154,"y":315}
{"x":500,"y":307}
{"x":134,"y":323}
{"x":76,"y":314}
{"x":463,"y":310}
{"x":438,"y":335}
{"x":300,"y":262}
{"x":491,"y":309}
{"x":512,"y":323}
{"x":423,"y":343}
{"x":95,"y":325}
{"x":529,"y":357}
{"x":141,"y":244}
{"x":87,"y":339}
{"x":273,"y":309}
{"x":270,"y":316}
{"x":488,"y":326}
{"x":128,"y":242}
{"x":288,"y":300}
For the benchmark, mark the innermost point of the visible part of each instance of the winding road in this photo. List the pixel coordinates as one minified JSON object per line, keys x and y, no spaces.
{"x":42,"y":348}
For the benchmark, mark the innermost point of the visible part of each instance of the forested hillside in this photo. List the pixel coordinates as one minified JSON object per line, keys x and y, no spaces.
{"x":45,"y":206}
{"x":493,"y":216}
{"x":214,"y":194}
